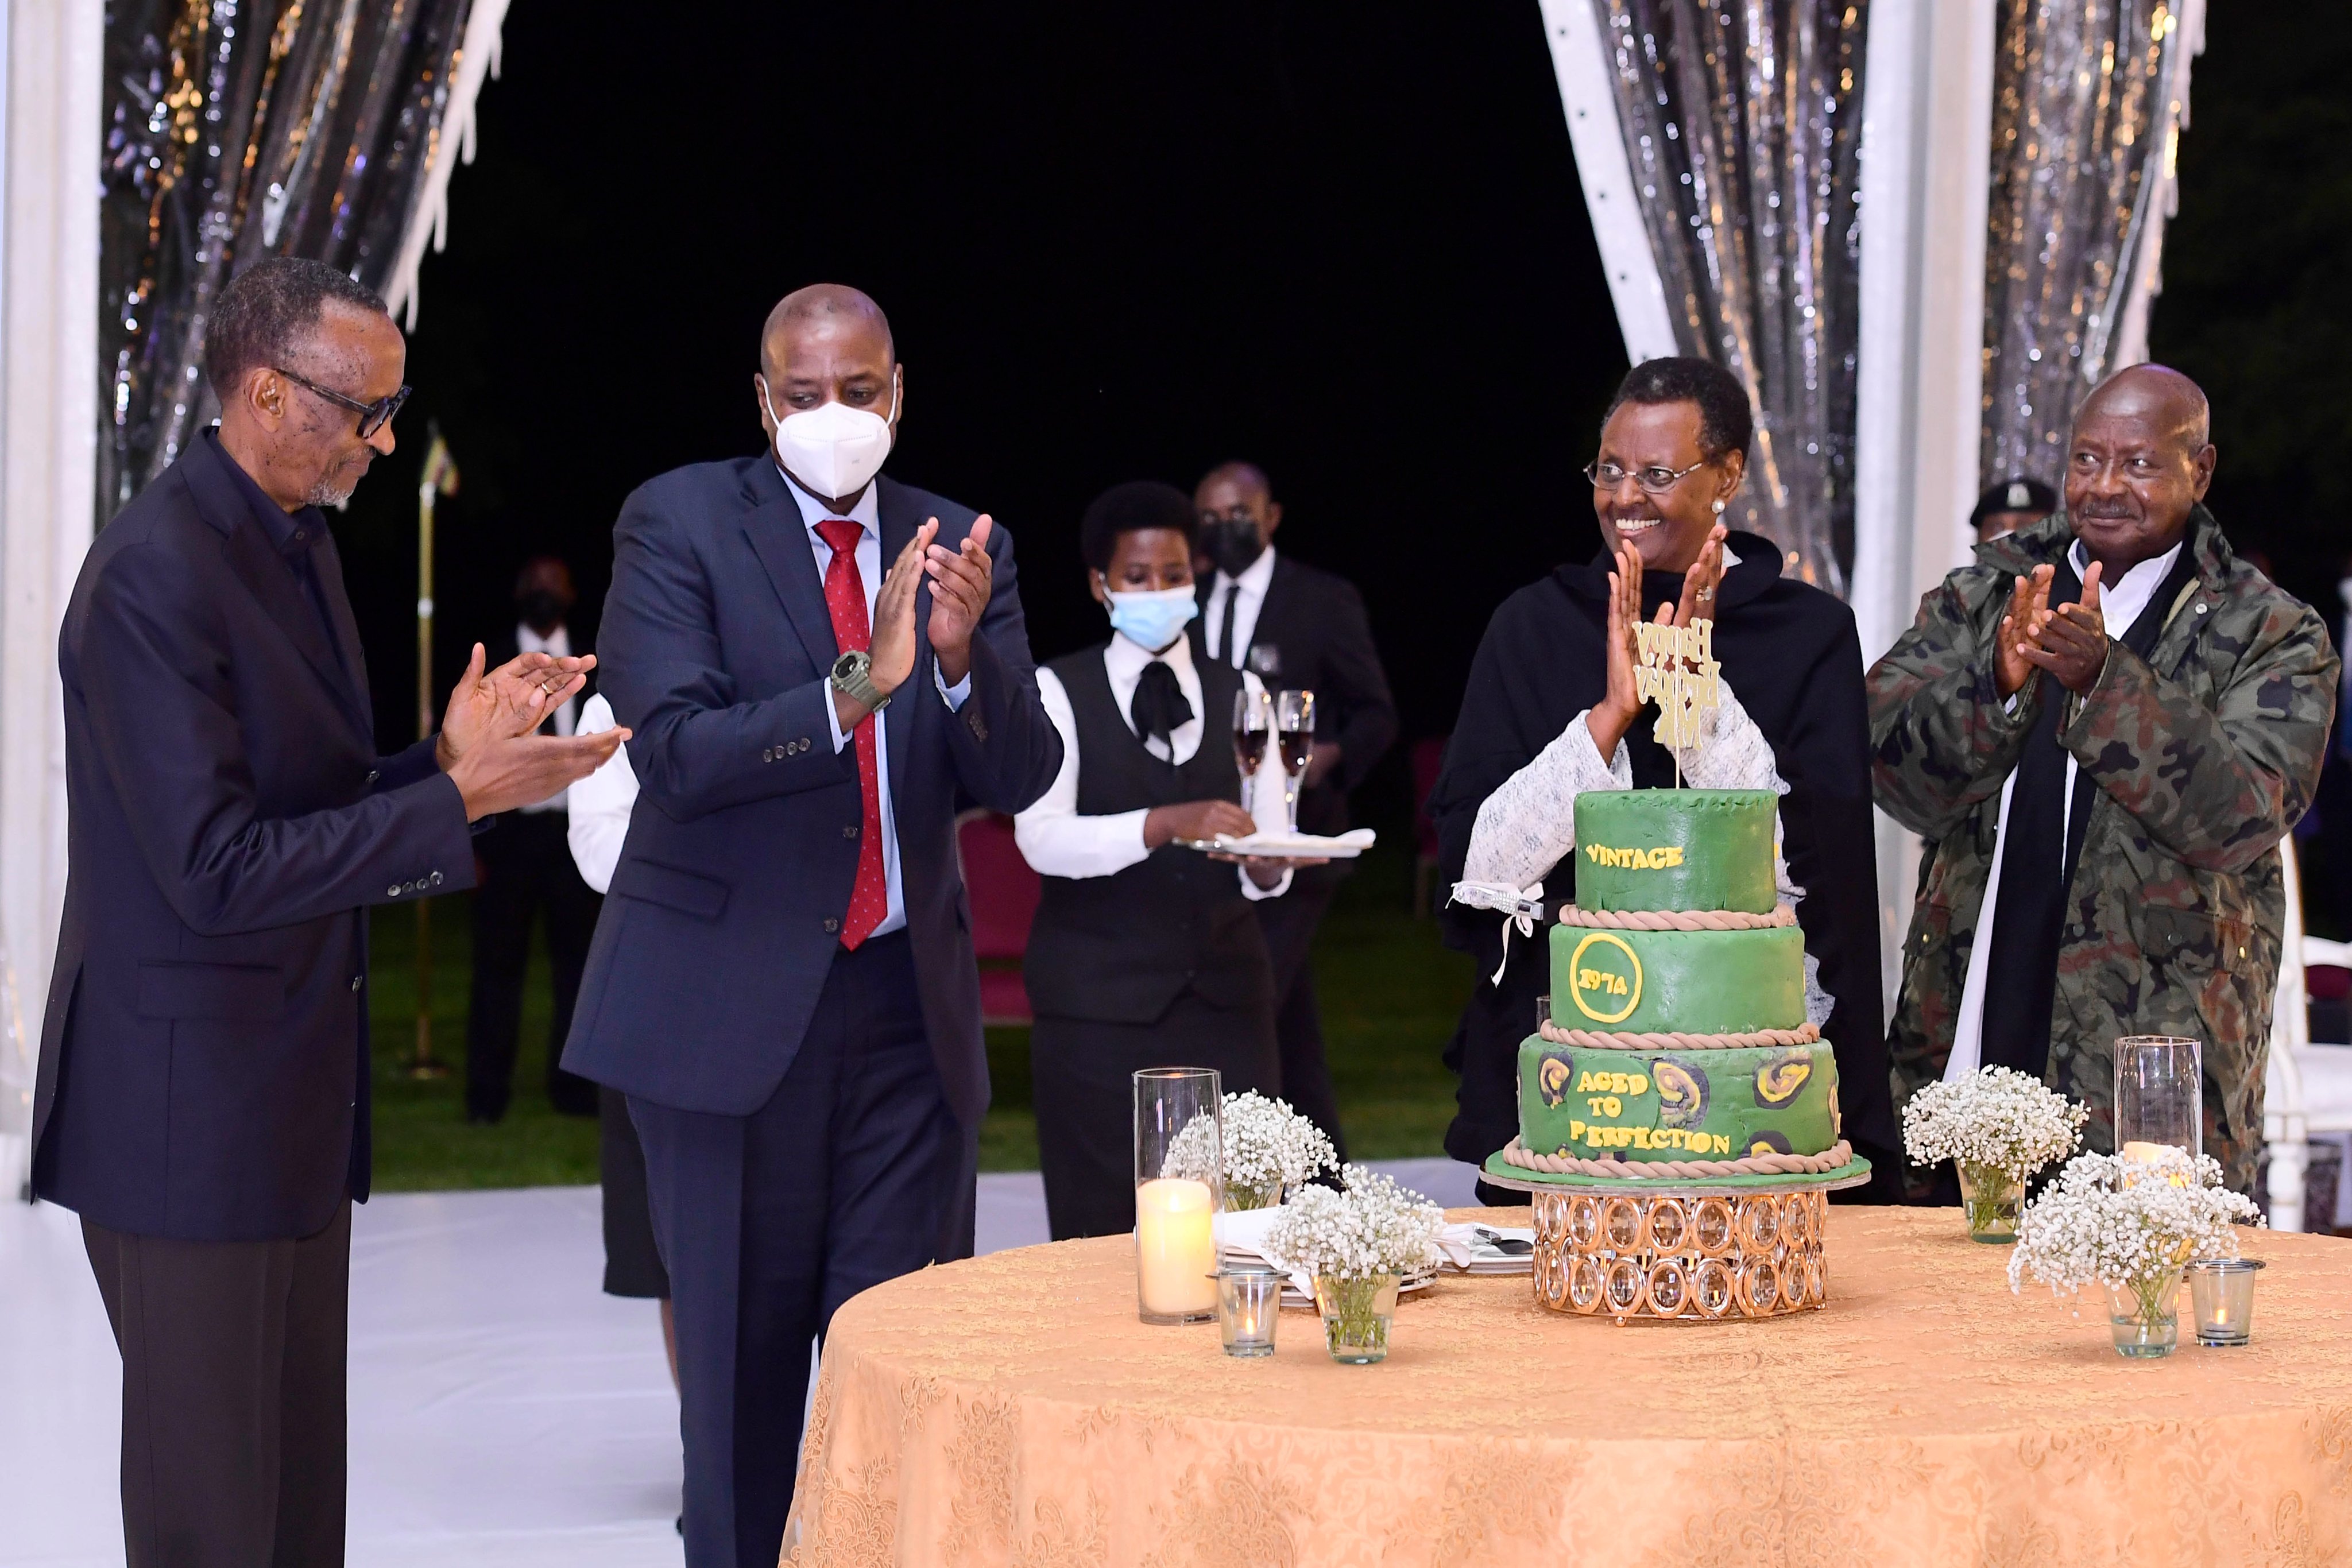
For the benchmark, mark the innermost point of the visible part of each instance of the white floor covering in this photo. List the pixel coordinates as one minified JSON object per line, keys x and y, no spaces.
{"x":504,"y":1412}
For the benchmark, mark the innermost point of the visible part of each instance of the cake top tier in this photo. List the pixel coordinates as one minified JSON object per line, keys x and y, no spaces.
{"x":1675,"y":848}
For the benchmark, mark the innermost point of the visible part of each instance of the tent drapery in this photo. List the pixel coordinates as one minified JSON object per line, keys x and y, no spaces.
{"x":1743,"y":128}
{"x":2087,"y":101}
{"x":239,"y":129}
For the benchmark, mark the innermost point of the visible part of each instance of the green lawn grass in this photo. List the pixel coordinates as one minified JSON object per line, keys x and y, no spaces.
{"x":1389,"y":995}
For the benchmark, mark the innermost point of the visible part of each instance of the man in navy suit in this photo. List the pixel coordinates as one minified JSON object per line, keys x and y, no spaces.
{"x":782,"y":982}
{"x":202,"y":1091}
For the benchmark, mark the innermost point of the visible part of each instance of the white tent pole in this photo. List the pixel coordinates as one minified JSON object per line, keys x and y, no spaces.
{"x":1581,"y":58}
{"x":49,"y":133}
{"x":1927,"y":130}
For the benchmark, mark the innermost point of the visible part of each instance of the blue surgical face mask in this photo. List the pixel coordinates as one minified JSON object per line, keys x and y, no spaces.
{"x":1154,"y":618}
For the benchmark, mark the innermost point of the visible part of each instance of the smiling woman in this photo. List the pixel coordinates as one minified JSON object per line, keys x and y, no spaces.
{"x":1551,"y":712}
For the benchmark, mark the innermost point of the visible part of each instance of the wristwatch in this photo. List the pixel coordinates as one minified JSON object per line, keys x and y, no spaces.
{"x":853,"y":676}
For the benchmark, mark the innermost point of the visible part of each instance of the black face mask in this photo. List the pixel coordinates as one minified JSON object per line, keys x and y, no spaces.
{"x":540,"y":611}
{"x":1233,"y":544}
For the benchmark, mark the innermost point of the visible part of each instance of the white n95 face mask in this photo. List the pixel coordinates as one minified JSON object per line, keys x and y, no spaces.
{"x":834,"y":449}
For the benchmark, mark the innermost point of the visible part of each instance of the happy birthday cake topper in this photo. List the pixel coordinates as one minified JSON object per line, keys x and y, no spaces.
{"x":1675,"y":667}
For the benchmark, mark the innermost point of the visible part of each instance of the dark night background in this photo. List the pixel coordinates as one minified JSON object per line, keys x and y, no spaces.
{"x":1347,"y":243}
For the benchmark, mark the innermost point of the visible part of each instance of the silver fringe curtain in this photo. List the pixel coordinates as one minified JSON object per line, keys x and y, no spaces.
{"x":2080,"y":137}
{"x":239,"y":129}
{"x":1743,"y":125}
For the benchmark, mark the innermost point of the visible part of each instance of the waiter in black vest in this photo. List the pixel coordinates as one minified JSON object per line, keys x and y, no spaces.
{"x":1144,"y":953}
{"x":1296,"y":626}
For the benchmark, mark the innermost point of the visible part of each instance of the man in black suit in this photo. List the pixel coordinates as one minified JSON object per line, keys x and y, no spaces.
{"x":1296,"y":626}
{"x":527,"y":872}
{"x":782,"y":980}
{"x":202,"y":1091}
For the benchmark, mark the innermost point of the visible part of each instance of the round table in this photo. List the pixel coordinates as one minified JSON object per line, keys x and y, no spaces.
{"x":1012,"y":1410}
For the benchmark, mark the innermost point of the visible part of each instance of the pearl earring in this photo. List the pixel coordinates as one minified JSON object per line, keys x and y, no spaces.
{"x":1718,"y":508}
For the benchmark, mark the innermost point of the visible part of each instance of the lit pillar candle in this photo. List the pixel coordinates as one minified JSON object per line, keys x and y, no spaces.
{"x":2141,"y":1150}
{"x":1175,"y":1248}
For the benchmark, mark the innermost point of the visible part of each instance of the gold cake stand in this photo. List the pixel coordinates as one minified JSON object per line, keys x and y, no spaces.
{"x":1700,"y":1251}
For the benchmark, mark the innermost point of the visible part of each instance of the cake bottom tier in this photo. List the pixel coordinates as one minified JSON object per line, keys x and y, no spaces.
{"x":1666,"y":1106}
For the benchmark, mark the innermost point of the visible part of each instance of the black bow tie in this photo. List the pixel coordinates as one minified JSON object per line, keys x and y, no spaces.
{"x":1157,"y":708}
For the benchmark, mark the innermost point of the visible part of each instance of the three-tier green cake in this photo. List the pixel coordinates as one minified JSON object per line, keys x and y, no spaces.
{"x":1676,"y":1062}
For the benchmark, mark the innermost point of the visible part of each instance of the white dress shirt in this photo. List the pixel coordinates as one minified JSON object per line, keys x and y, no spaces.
{"x":556,"y":644}
{"x":2120,"y":604}
{"x":868,"y":515}
{"x":601,"y":803}
{"x":1250,"y":586}
{"x":1054,"y":838}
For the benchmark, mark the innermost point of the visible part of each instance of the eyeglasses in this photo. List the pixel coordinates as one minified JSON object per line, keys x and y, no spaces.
{"x":373,"y":416}
{"x":1657,"y":481}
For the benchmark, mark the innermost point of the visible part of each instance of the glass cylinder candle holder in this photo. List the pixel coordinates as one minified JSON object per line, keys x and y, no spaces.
{"x":2221,"y":1292}
{"x":1179,"y":1190}
{"x":2159,"y":1095}
{"x":1249,"y":1299}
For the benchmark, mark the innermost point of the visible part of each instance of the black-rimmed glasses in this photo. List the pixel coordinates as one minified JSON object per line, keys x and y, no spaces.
{"x":1657,"y":481}
{"x":373,"y":416}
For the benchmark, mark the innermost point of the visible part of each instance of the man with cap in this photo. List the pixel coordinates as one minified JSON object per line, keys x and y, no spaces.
{"x":2011,"y":505}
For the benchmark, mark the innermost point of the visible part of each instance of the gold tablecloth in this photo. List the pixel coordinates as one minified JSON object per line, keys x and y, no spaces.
{"x":1012,"y":1410}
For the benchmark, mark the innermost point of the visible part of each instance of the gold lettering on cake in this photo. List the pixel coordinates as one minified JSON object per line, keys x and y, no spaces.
{"x":1658,"y":859}
{"x":1606,"y":982}
{"x":1675,"y":667}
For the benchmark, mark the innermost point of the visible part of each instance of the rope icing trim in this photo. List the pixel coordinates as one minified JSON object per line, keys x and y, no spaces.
{"x":1601,"y":1039}
{"x":1838,"y":1153}
{"x":1677,"y":919}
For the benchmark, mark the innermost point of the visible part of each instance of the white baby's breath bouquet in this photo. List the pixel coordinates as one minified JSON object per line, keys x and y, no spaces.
{"x":1269,"y":1148}
{"x":1998,"y":1119}
{"x":2130,"y":1225}
{"x":1374,"y":1228}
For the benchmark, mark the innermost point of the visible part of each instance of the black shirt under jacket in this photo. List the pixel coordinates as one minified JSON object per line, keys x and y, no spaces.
{"x":1790,"y":654}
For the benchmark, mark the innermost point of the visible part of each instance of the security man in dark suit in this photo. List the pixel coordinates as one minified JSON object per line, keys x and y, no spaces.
{"x":202,"y":1091}
{"x":1296,"y":626}
{"x":782,"y":981}
{"x":528,"y":873}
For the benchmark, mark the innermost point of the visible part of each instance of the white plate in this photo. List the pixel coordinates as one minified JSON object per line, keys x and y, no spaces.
{"x":1287,"y":846}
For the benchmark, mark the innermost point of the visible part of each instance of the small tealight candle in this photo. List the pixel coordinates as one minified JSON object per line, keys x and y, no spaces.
{"x":1249,"y":1300}
{"x":1175,"y":1250}
{"x":2221,"y":1292}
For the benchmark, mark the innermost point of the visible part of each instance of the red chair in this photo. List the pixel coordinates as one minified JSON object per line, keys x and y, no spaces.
{"x":1003,"y":893}
{"x":1428,"y":760}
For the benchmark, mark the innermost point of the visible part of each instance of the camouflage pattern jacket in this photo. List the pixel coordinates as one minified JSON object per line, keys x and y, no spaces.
{"x":2205,"y":754}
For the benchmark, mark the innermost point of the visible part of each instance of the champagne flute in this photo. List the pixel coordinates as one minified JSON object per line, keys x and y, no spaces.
{"x":1295,"y":722}
{"x":1253,"y":728}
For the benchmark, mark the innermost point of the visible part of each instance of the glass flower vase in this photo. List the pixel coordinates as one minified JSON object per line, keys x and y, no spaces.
{"x":1990,"y":1197}
{"x":1240,"y":1195}
{"x":1357,"y":1311}
{"x":2145,"y":1313}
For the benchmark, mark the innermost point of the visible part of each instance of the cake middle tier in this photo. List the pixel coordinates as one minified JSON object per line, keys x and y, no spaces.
{"x":1689,"y":982}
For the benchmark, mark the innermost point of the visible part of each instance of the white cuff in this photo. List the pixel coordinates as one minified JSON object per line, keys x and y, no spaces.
{"x":832,"y":719}
{"x":955,"y":694}
{"x":1257,"y":894}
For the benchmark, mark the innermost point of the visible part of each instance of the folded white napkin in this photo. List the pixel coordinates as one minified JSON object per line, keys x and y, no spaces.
{"x":1470,"y":1251}
{"x":1305,"y":846}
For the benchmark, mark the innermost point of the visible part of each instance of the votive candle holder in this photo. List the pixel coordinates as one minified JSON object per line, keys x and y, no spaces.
{"x":1249,"y":1302}
{"x":2221,"y":1294}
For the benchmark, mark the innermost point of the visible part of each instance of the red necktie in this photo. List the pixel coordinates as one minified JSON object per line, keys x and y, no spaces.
{"x":844,"y":600}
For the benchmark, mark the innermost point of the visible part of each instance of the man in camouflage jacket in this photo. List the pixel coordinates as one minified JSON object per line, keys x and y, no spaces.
{"x":2203,"y":756}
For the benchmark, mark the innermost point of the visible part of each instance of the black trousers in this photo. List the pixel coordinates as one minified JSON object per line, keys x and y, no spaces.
{"x":528,"y":869}
{"x":233,"y":1417}
{"x":1290,"y":923}
{"x":852,"y":1173}
{"x":1082,"y":1073}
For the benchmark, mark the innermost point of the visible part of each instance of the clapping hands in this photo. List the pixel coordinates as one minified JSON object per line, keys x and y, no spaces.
{"x":488,"y":744}
{"x":2070,"y":642}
